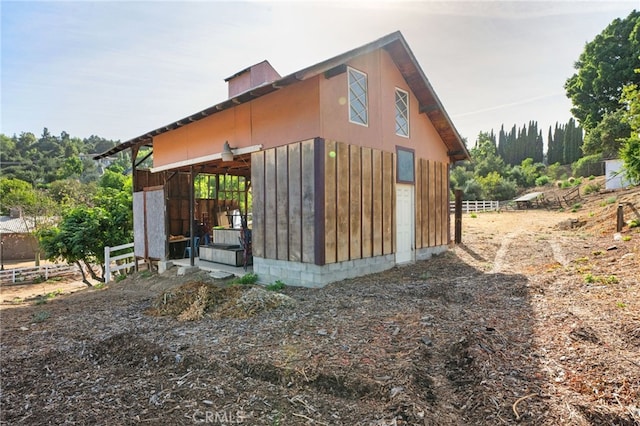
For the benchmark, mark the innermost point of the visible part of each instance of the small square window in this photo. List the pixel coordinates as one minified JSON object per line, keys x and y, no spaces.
{"x":405,"y":165}
{"x":402,"y":113}
{"x":358,"y":98}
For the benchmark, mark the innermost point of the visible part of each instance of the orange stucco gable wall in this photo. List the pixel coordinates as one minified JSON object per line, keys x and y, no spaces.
{"x":317,"y":107}
{"x":287,"y":115}
{"x":383,"y":77}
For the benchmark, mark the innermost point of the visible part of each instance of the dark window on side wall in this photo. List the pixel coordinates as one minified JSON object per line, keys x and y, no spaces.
{"x":405,"y":165}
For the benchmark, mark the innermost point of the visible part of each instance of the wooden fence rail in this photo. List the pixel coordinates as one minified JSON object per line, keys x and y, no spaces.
{"x":37,"y":273}
{"x":476,"y":206}
{"x":113,"y":263}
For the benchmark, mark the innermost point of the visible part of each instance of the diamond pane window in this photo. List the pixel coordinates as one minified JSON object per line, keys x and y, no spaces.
{"x":358,"y":102}
{"x":402,"y":113}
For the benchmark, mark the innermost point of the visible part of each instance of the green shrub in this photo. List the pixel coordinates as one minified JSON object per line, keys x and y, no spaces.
{"x":276,"y":286}
{"x":591,"y":188}
{"x":246,"y":279}
{"x":543,"y":180}
{"x":40,"y":316}
{"x":588,"y":165}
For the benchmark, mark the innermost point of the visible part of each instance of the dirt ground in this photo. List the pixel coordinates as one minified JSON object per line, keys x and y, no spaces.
{"x":533,"y":320}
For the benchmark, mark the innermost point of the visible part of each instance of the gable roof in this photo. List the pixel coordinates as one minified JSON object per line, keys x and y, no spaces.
{"x":401,"y":54}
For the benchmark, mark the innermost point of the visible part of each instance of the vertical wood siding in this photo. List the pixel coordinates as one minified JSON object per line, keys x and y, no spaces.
{"x":432,"y":200}
{"x":341,"y":208}
{"x":295,"y":204}
{"x":284,"y":213}
{"x":282,"y":202}
{"x":309,"y":221}
{"x":258,"y":203}
{"x":359,"y":203}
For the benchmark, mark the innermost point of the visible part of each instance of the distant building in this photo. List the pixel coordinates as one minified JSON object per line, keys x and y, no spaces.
{"x":17,"y":241}
{"x":615,"y":177}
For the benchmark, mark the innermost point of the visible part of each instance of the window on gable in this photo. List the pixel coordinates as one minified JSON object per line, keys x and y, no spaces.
{"x":402,"y":113}
{"x":358,"y":98}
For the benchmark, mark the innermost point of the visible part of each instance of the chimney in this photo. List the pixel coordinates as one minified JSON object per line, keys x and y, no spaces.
{"x":252,"y":77}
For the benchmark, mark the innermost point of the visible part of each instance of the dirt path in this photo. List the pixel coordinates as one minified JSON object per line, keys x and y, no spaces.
{"x":524,"y":323}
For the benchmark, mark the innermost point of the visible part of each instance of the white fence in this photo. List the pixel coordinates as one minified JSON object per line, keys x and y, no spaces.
{"x":476,"y":206}
{"x":113,"y":263}
{"x":37,"y":273}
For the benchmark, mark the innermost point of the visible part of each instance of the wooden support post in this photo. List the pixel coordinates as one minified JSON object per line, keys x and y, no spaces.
{"x":620,"y":217}
{"x":192,"y":229}
{"x":458,"y":216}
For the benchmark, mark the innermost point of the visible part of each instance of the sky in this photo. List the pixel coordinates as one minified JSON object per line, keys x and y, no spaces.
{"x":118,"y":69}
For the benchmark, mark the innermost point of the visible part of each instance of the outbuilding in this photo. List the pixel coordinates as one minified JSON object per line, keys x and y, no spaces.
{"x":338,"y":170}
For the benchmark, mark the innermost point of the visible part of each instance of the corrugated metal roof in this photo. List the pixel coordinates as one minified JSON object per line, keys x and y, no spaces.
{"x":401,"y":54}
{"x":15,"y":225}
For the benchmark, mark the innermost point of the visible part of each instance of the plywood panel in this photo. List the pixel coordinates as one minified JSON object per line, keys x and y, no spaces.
{"x":139,"y":240}
{"x":367,"y":208}
{"x":394,"y":218}
{"x":295,"y":204}
{"x":387,"y":203}
{"x":438,"y":205}
{"x":308,"y":202}
{"x":445,"y":204}
{"x":342,"y":229}
{"x":432,"y":203}
{"x":425,"y":202}
{"x":355,"y":203}
{"x":270,"y":200}
{"x":376,"y":175}
{"x":282,"y":202}
{"x":330,"y":204}
{"x":418,"y":206}
{"x":155,"y":224}
{"x":258,"y":202}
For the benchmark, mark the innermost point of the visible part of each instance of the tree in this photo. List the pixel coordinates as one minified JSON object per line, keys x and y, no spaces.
{"x":85,"y":230}
{"x":630,"y":151}
{"x":76,"y":239}
{"x":605,"y":66}
{"x":608,"y":135}
{"x":486,"y":155}
{"x":495,"y":187}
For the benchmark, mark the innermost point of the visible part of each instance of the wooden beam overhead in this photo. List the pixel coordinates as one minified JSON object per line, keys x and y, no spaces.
{"x":342,"y":68}
{"x":428,"y":108}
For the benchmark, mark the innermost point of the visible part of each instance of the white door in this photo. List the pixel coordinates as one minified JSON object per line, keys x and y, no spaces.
{"x":404,"y":223}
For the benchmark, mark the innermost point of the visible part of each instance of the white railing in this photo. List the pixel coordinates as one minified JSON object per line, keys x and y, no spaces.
{"x":112,"y":263}
{"x":476,"y":206}
{"x":36,"y":273}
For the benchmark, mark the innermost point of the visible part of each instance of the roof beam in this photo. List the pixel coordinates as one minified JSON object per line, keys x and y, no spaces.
{"x":342,"y":68}
{"x":424,"y":109}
